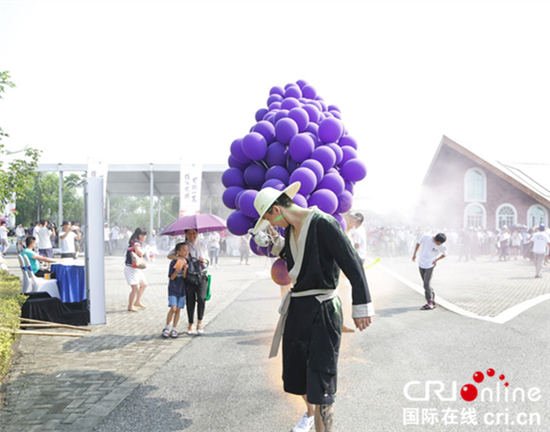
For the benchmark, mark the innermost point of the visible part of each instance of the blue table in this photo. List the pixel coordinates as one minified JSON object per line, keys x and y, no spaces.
{"x":71,"y":280}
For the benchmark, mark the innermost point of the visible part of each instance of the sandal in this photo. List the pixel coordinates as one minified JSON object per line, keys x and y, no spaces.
{"x":200,"y":330}
{"x":140,"y":305}
{"x":426,"y":307}
{"x":132,"y":310}
{"x":174,"y":333}
{"x":165,"y":333}
{"x":190,"y":330}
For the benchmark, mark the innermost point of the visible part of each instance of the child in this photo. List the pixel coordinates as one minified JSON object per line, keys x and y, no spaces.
{"x":177,"y":272}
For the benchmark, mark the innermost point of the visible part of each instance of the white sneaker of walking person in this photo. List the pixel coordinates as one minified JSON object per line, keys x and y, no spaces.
{"x":305,"y":424}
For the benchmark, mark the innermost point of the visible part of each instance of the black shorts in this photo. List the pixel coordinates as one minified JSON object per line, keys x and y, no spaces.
{"x":311,"y":344}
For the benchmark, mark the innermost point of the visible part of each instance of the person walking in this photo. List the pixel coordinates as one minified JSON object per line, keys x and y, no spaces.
{"x":315,"y":248}
{"x":432,"y":250}
{"x":541,"y":241}
{"x":134,"y":276}
{"x":4,"y":242}
{"x":214,"y":248}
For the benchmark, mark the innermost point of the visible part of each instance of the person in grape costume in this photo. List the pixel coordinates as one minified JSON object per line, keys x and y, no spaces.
{"x":315,"y":248}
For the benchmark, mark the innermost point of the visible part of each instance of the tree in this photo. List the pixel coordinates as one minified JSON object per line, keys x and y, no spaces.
{"x":41,"y":197}
{"x":14,"y":173}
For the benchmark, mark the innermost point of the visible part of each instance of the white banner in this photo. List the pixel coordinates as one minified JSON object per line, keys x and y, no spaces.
{"x":190,"y":189}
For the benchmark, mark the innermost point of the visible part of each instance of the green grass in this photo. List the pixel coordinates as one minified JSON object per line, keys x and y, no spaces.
{"x":10,"y":310}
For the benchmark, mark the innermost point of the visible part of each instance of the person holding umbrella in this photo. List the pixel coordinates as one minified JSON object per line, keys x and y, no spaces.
{"x":191,"y":226}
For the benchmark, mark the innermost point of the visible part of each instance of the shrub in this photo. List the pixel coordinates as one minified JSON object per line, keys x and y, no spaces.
{"x":11,"y":301}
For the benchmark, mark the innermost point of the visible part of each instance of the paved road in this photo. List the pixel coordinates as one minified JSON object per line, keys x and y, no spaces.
{"x":223,"y":381}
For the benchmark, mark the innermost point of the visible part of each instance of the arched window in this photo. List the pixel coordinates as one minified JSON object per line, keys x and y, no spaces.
{"x":474,"y":216}
{"x":475,"y":185}
{"x":536,"y":215}
{"x":506,"y":215}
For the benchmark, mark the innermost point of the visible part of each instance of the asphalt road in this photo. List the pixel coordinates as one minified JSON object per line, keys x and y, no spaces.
{"x":223,"y":381}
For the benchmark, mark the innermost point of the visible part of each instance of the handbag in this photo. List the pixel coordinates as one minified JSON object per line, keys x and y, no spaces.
{"x":137,"y":261}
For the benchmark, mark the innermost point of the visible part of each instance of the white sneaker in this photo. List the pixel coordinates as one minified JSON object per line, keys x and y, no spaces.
{"x":305,"y":424}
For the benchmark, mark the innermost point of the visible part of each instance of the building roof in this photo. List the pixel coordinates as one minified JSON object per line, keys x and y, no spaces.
{"x":531,"y":178}
{"x":134,"y":179}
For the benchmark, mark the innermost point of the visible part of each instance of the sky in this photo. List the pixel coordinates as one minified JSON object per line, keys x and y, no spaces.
{"x":159,"y":82}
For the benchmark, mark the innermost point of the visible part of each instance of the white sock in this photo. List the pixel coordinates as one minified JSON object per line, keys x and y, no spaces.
{"x":166,"y":327}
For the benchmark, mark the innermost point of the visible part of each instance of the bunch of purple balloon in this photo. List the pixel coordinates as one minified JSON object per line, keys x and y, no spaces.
{"x":296,"y":138}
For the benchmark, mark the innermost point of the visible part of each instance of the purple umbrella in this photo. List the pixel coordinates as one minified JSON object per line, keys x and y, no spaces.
{"x":200,"y":222}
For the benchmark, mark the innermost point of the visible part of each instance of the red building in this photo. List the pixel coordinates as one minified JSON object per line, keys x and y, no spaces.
{"x":462,"y":190}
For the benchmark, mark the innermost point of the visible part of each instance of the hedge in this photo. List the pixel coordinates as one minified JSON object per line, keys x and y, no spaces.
{"x":11,"y":301}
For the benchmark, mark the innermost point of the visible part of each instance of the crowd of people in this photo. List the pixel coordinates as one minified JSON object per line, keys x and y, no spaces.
{"x":467,"y":244}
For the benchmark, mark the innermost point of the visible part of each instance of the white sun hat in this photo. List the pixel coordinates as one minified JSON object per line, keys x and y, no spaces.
{"x":265,"y":199}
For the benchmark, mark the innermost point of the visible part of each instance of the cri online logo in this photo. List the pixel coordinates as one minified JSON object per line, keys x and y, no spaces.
{"x":469,"y":391}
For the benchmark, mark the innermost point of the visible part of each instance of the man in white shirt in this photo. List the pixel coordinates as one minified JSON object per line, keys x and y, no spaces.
{"x":44,"y":239}
{"x":67,"y":239}
{"x":115,"y":232}
{"x":541,"y":241}
{"x":359,"y":237}
{"x":4,"y":243}
{"x":21,"y":234}
{"x":432,"y":251}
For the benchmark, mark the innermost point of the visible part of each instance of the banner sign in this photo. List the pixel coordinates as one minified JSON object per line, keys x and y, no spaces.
{"x":190,"y":189}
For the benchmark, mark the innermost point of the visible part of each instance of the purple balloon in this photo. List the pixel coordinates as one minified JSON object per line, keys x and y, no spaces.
{"x":309,"y":92}
{"x":285,"y":129}
{"x":277,"y":154}
{"x":254,"y":176}
{"x":347,"y":154}
{"x":291,"y":85}
{"x":274,"y":98}
{"x":337,"y":152}
{"x":317,"y":105}
{"x":316,"y":167}
{"x":260,"y":114}
{"x":332,"y":182}
{"x":300,"y":200}
{"x":239,"y":224}
{"x":290,"y":103}
{"x":274,"y":105}
{"x":254,"y":146}
{"x":277,"y":172}
{"x":229,"y":196}
{"x":322,"y":103}
{"x":341,"y":220}
{"x":313,"y":112}
{"x":347,"y":140}
{"x":237,"y":151}
{"x":301,"y":83}
{"x":301,"y":146}
{"x":345,"y":202}
{"x":282,"y":113}
{"x":349,"y":186}
{"x":307,"y":179}
{"x":335,"y":114}
{"x":246,"y":203}
{"x":333,"y":171}
{"x":328,"y":114}
{"x":233,"y":177}
{"x":334,"y":108}
{"x":266,"y":129}
{"x":301,"y":117}
{"x":325,"y":155}
{"x":330,"y":130}
{"x":314,"y":129}
{"x":293,"y":92}
{"x":277,"y":90}
{"x":291,"y":165}
{"x":325,"y":199}
{"x":254,"y":247}
{"x":274,"y":183}
{"x":354,"y":170}
{"x":234,"y":163}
